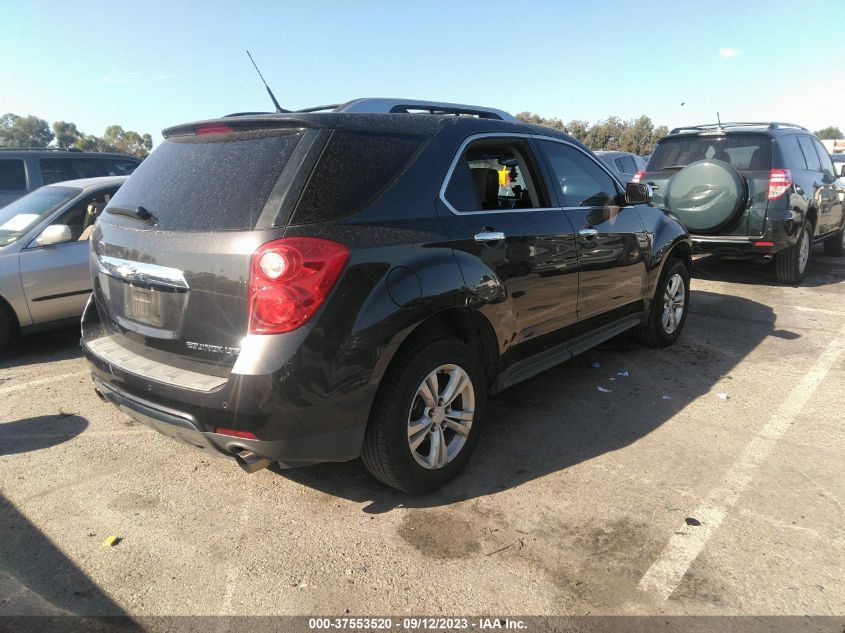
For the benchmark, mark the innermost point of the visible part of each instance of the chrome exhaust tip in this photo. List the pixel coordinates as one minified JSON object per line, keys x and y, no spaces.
{"x":251,"y":462}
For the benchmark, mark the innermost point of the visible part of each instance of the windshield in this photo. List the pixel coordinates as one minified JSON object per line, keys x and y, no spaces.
{"x":21,"y":215}
{"x":750,"y":152}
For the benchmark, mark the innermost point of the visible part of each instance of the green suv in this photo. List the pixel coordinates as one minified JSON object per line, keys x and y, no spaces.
{"x":756,"y":191}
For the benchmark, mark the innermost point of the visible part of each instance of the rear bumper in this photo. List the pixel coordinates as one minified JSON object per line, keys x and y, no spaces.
{"x":179,"y":426}
{"x":781,"y":232}
{"x":308,"y":404}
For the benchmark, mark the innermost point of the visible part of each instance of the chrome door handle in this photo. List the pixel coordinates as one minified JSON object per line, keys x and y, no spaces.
{"x":489,"y":236}
{"x":587,"y":233}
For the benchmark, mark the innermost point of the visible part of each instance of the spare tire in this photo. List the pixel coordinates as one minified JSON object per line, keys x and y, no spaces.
{"x":707,"y":196}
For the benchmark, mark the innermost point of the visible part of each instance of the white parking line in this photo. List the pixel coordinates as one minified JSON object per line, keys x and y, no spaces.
{"x":666,"y":573}
{"x":42,"y":381}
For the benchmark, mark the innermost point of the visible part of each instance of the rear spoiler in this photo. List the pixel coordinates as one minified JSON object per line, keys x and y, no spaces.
{"x":257,"y":121}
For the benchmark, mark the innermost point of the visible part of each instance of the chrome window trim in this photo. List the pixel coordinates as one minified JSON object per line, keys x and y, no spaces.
{"x":517,"y":135}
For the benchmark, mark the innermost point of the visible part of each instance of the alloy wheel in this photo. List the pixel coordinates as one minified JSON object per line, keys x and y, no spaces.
{"x":441,"y":416}
{"x":674,"y":303}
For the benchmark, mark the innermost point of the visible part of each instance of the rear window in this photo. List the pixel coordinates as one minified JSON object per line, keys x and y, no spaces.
{"x":354,"y":169}
{"x":12,"y":175}
{"x":749,"y":152}
{"x":71,"y":168}
{"x":218,"y":182}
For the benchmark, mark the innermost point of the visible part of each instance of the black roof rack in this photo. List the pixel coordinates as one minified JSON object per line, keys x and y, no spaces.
{"x":771,"y":125}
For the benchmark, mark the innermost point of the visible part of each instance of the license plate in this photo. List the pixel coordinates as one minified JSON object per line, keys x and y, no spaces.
{"x":143,"y":304}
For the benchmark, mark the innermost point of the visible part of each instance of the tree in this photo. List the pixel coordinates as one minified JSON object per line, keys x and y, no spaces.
{"x":831,"y":133}
{"x":66,"y":134}
{"x":127,"y":141}
{"x":27,"y":131}
{"x":638,"y":136}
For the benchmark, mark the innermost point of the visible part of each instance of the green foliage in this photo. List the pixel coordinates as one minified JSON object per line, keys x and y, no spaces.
{"x":24,"y":131}
{"x":830,"y":133}
{"x":638,"y":136}
{"x":30,"y":131}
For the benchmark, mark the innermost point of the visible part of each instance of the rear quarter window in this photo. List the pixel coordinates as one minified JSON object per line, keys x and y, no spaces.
{"x":354,"y":169}
{"x":793,"y":157}
{"x":12,"y":175}
{"x":218,"y":182}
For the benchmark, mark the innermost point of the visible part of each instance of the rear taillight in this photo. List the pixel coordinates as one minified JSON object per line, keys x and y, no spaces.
{"x":289,"y":279}
{"x":780,"y":180}
{"x":638,"y":176}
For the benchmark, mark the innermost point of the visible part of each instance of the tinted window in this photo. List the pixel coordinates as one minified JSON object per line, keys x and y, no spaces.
{"x":751,"y":152}
{"x":208,"y":183}
{"x":810,"y":155}
{"x":21,"y":215}
{"x":12,"y":175}
{"x":626,"y":165}
{"x":583,"y":183}
{"x":353,"y":170}
{"x":491,"y":176}
{"x":71,"y":168}
{"x":824,"y":157}
{"x":792,"y":155}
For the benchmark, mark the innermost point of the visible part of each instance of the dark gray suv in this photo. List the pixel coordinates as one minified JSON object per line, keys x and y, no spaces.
{"x":751,"y":191}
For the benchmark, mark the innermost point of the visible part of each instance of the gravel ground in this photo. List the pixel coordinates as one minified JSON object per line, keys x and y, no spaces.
{"x":659,"y":497}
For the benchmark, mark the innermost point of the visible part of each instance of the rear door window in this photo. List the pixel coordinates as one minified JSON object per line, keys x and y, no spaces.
{"x":813,"y":163}
{"x":494,"y":175}
{"x":12,"y":175}
{"x":748,"y":152}
{"x":582,"y":182}
{"x":215,"y":182}
{"x":354,"y":169}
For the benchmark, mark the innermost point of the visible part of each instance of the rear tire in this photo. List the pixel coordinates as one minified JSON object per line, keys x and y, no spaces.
{"x":668,"y":311}
{"x":835,"y":246}
{"x":402,"y":416}
{"x":792,"y":264}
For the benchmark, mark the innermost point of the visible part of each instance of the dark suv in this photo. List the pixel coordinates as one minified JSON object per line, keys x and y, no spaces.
{"x":318,"y":286}
{"x":751,"y":191}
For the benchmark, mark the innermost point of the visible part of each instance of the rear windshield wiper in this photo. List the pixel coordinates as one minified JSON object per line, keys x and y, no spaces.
{"x":139,"y":213}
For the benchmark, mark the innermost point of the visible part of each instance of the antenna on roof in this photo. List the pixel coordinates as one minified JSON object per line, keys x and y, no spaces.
{"x":279,"y":108}
{"x":717,"y":117}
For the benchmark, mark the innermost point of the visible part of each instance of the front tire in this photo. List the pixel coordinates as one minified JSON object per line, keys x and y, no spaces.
{"x":668,"y":311}
{"x":792,"y":264}
{"x":426,"y":417}
{"x":5,"y":329}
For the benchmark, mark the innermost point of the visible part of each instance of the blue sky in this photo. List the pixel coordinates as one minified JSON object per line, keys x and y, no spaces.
{"x":147,"y":65}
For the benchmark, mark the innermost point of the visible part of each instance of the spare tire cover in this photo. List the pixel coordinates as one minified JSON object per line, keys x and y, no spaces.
{"x":707,"y":195}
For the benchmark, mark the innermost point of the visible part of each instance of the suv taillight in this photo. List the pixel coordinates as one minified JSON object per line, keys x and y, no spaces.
{"x":289,"y":279}
{"x":780,"y":180}
{"x":639,"y":176}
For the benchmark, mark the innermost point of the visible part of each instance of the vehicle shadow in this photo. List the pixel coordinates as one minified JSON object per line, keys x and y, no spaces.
{"x":559,"y":418}
{"x":41,"y":348}
{"x":44,"y":431}
{"x":824,"y":271}
{"x":37,"y":579}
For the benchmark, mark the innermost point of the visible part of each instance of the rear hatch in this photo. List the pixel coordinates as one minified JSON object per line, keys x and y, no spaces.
{"x":171,"y":253}
{"x":749,"y":153}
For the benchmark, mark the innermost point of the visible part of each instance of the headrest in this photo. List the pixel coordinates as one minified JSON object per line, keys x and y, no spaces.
{"x":487,"y":185}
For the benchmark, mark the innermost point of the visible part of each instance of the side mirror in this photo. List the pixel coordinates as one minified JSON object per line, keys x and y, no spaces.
{"x":54,"y":234}
{"x":637,"y":193}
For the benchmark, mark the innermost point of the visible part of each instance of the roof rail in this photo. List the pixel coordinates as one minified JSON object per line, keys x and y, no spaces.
{"x":408,"y":106}
{"x":717,"y":126}
{"x":40,"y":149}
{"x":401,"y":106}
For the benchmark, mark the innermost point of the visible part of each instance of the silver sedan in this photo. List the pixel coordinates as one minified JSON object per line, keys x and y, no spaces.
{"x":44,"y":275}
